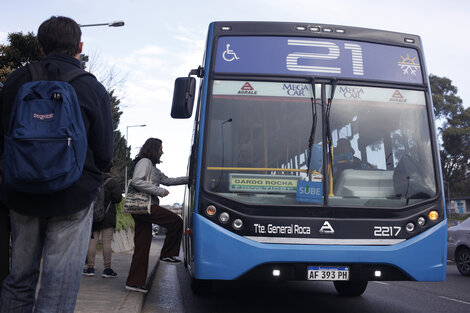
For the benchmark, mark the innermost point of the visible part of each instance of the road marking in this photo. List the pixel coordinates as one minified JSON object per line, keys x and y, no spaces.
{"x":456,"y":300}
{"x":381,"y":282}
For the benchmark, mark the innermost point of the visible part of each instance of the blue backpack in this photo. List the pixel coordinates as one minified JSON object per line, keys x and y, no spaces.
{"x":46,"y":142}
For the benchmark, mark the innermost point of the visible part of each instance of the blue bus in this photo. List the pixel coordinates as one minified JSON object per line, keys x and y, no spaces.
{"x":314,"y":158}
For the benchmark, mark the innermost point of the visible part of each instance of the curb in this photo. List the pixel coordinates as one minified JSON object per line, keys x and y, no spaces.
{"x":134,"y":301}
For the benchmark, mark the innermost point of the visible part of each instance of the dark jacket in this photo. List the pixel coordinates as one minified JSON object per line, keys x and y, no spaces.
{"x":96,"y":114}
{"x":113,"y":195}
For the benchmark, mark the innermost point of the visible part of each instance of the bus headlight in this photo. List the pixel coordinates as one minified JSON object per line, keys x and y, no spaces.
{"x":237,"y":224}
{"x":224,"y":217}
{"x":410,"y":227}
{"x":421,"y":221}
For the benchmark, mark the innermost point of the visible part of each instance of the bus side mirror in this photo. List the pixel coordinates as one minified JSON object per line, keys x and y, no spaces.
{"x":183,"y":97}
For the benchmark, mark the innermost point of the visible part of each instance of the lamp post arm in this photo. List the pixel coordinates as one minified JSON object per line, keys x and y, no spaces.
{"x":110,"y":24}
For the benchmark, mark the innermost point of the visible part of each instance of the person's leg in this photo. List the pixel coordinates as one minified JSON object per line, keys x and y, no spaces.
{"x":4,"y":243}
{"x":19,"y":287}
{"x":174,"y":225}
{"x":90,"y":258}
{"x":140,"y":259}
{"x":65,"y":247}
{"x":106,"y":237}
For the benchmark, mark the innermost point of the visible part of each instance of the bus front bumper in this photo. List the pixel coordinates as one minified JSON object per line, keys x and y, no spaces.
{"x":223,"y":255}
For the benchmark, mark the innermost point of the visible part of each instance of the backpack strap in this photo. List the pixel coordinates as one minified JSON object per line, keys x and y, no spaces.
{"x":71,"y":75}
{"x":109,"y":203}
{"x":38,"y":72}
{"x":106,"y":181}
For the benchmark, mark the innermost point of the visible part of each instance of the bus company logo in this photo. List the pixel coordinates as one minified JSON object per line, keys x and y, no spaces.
{"x":397,"y":97}
{"x":408,"y":65}
{"x":326,"y":228}
{"x":351,"y":92}
{"x":247,"y":89}
{"x":295,"y":89}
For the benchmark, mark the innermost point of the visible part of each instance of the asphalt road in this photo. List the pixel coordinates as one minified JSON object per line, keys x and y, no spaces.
{"x":171,"y":292}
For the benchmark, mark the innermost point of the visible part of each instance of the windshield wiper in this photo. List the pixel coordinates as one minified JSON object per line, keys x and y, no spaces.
{"x":229,"y":120}
{"x":329,"y":138}
{"x":314,"y":127}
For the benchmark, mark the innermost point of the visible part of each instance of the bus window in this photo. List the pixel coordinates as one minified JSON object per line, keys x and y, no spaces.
{"x":258,"y":142}
{"x":374,"y":131}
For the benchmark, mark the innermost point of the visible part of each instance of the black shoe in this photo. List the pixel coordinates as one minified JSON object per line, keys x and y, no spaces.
{"x":90,"y":272}
{"x":108,"y":273}
{"x":137,"y":288}
{"x":170,"y":259}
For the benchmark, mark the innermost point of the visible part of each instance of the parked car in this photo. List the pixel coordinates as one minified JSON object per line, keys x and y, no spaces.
{"x":155,"y":229}
{"x":458,"y":246}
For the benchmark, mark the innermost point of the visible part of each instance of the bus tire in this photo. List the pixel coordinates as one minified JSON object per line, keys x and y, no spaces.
{"x":350,"y":288}
{"x":462,"y":258}
{"x":200,"y":287}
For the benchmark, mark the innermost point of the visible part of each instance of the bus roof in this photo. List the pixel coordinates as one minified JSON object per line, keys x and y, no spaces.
{"x":239,"y":28}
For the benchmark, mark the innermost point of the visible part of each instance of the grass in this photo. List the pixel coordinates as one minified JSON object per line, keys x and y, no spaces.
{"x":123,"y":220}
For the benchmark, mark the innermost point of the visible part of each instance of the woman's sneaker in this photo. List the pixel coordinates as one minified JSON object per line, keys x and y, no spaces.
{"x":108,"y":273}
{"x":137,"y":288}
{"x":170,"y":259}
{"x":90,"y":272}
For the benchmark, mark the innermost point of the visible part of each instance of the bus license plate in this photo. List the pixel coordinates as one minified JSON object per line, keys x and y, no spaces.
{"x":328,"y":273}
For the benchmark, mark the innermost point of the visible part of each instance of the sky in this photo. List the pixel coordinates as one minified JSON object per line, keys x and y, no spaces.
{"x":163,"y":40}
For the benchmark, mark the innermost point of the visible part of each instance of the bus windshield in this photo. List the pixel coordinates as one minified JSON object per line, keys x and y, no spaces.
{"x":266,"y":139}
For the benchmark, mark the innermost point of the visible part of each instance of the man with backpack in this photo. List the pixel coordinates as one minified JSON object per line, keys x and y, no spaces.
{"x":104,"y":225}
{"x":4,"y":232}
{"x":50,"y":205}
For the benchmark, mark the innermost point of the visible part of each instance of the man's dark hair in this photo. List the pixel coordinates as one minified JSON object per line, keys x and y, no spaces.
{"x":59,"y":34}
{"x":150,"y":150}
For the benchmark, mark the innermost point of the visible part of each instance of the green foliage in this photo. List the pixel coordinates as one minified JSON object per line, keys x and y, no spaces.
{"x":445,"y":100}
{"x":455,"y":135}
{"x":22,"y":49}
{"x":123,"y":220}
{"x":83,"y":60}
{"x":456,"y":150}
{"x":121,"y":151}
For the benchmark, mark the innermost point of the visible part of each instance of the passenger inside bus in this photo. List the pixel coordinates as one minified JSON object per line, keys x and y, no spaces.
{"x":344,"y":158}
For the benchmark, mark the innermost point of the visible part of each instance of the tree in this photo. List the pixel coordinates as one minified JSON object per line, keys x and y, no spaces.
{"x":21,"y":49}
{"x":445,"y":100}
{"x":456,"y":149}
{"x":121,"y":151}
{"x":455,"y":134}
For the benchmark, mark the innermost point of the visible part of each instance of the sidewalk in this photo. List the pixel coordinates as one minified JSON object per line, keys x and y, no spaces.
{"x":109,"y":295}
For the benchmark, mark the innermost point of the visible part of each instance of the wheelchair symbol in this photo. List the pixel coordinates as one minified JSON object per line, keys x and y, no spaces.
{"x":229,"y":55}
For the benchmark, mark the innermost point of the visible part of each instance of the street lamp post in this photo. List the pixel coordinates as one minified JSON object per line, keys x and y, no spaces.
{"x":110,"y":24}
{"x":127,"y":143}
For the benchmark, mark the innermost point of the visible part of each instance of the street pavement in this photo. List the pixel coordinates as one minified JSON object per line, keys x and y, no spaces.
{"x":109,"y":295}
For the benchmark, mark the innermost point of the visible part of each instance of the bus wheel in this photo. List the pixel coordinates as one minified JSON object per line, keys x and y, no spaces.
{"x":350,"y":288}
{"x":201,"y":287}
{"x":462,"y":258}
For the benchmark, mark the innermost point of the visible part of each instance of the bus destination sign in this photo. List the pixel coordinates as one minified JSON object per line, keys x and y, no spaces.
{"x":317,"y":57}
